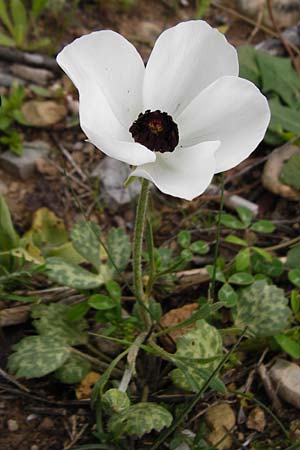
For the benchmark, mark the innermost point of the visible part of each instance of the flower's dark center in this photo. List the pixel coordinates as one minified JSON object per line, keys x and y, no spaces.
{"x":156,"y":131}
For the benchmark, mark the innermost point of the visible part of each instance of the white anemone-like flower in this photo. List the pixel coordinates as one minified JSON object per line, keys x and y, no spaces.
{"x":180,"y":120}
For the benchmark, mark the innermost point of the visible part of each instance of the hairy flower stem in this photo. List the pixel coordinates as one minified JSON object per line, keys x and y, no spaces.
{"x":139,"y":227}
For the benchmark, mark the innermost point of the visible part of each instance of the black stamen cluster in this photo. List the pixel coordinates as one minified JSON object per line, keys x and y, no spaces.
{"x":156,"y":131}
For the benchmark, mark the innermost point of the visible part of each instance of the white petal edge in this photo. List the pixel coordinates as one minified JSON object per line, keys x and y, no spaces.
{"x":131,"y":153}
{"x":184,"y":173}
{"x":185,"y":60}
{"x":231,"y":110}
{"x":106,"y":59}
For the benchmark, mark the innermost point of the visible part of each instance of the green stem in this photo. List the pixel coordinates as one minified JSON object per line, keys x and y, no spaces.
{"x":137,"y":253}
{"x":150,"y":248}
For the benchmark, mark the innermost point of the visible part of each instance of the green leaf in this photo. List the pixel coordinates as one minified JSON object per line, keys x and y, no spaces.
{"x":119,"y":248}
{"x":294,"y":277}
{"x":6,"y":40}
{"x":295,"y":301}
{"x":263,"y":226}
{"x":20,"y":21}
{"x":52,"y":320}
{"x":4,"y":17}
{"x":67,"y":274}
{"x":241,"y":278}
{"x":114,"y":290}
{"x":36,"y":356}
{"x":8,"y":237}
{"x":263,"y":309}
{"x":184,"y":238}
{"x":273,"y":268}
{"x":203,"y":342}
{"x":219,"y":274}
{"x":288,"y":345}
{"x":37,"y":7}
{"x":290,"y":172}
{"x":140,"y":419}
{"x":263,"y":253}
{"x":245,"y":215}
{"x":293,"y":257}
{"x":101,"y":302}
{"x":115,"y":401}
{"x":227,"y":295}
{"x":85,"y":239}
{"x":78,"y":311}
{"x":279,"y":77}
{"x":236,"y":240}
{"x":202,"y":8}
{"x":283,"y":116}
{"x":242,"y":260}
{"x":73,"y":370}
{"x":248,"y":64}
{"x":200,"y":247}
{"x":186,"y":254}
{"x":231,"y":222}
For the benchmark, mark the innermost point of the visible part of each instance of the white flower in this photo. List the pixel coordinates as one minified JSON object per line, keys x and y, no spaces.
{"x":213,"y":120}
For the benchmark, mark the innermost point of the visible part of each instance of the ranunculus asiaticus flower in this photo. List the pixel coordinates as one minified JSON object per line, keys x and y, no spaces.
{"x":180,"y":120}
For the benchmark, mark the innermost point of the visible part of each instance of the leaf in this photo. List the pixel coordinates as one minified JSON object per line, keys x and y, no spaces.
{"x":78,"y":311}
{"x":8,"y":236}
{"x":52,"y":320}
{"x":200,"y":247}
{"x":242,"y":260}
{"x":260,"y":264}
{"x":119,"y":249}
{"x":114,"y":290}
{"x":101,"y":302}
{"x":219,"y":274}
{"x":36,"y":356}
{"x":184,"y":238}
{"x":6,"y":40}
{"x":202,"y":8}
{"x":37,"y":7}
{"x":73,"y":370}
{"x":5,"y":17}
{"x":236,"y":240}
{"x":283,"y":116}
{"x":67,"y":274}
{"x":85,"y":239}
{"x":293,"y":257}
{"x":20,"y":21}
{"x":288,"y":345}
{"x":278,"y":76}
{"x":290,"y":172}
{"x":248,"y":64}
{"x":294,"y":277}
{"x":245,"y":215}
{"x":115,"y":401}
{"x":47,"y":231}
{"x":140,"y":419}
{"x":241,"y":278}
{"x":203,"y":342}
{"x":227,"y":295}
{"x":263,"y":309}
{"x":263,"y":226}
{"x":231,"y":222}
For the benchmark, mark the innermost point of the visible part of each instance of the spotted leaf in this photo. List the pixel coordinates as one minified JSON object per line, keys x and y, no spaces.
{"x":85,"y":239}
{"x":73,"y":370}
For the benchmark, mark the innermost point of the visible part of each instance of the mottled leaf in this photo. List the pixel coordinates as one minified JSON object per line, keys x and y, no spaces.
{"x":115,"y":401}
{"x":67,"y":274}
{"x":85,"y":239}
{"x":119,"y":249}
{"x":73,"y":370}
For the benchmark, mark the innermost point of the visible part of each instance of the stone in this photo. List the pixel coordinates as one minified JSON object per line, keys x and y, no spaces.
{"x":43,"y":113}
{"x":272,"y":170}
{"x":286,"y":12}
{"x":221,"y":419}
{"x":34,"y":447}
{"x":47,"y":424}
{"x":38,"y":76}
{"x":286,"y":378}
{"x":3,"y":188}
{"x":12,"y":425}
{"x":24,"y":166}
{"x":256,"y":419}
{"x":112,"y":175}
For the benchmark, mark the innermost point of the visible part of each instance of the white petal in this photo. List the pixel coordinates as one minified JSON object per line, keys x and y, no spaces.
{"x":107,"y":60}
{"x":129,"y":152}
{"x":231,"y":110}
{"x":184,"y":60}
{"x":184,"y":173}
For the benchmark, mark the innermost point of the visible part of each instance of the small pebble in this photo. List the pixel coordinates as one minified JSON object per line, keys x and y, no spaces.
{"x":34,"y":447}
{"x":12,"y":425}
{"x":46,"y":424}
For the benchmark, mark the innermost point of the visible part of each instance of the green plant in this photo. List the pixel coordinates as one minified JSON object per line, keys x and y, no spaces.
{"x":10,"y":115}
{"x":18,"y":23}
